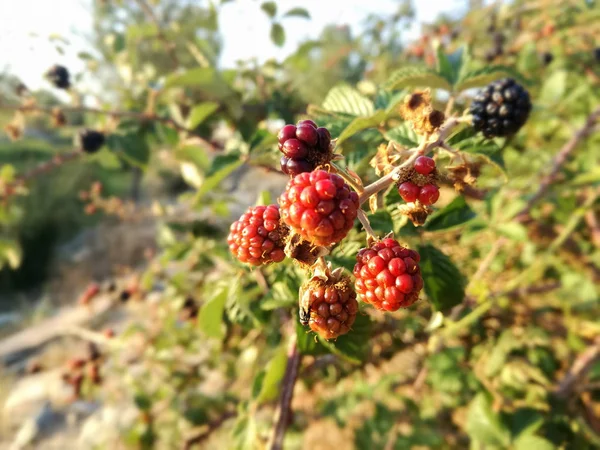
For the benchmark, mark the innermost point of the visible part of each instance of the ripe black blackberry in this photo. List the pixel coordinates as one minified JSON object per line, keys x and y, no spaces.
{"x":59,"y":77}
{"x":304,"y":146}
{"x":89,"y":141}
{"x":501,"y":108}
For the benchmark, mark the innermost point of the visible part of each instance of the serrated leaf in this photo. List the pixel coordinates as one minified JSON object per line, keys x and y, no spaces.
{"x":297,"y":12}
{"x":359,"y":124}
{"x":403,"y":135}
{"x":454,"y":214}
{"x":270,"y":8}
{"x":416,"y":76}
{"x":484,"y":425}
{"x":443,"y":282}
{"x":210,"y":317}
{"x":200,"y":112}
{"x":530,"y":442}
{"x":277,"y":34}
{"x":449,"y":66}
{"x":487,"y":74}
{"x":346,"y":99}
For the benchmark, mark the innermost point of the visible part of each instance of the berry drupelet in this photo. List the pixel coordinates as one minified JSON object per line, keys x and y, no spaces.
{"x":304,"y":146}
{"x":388,"y":275}
{"x":501,"y":108}
{"x":90,"y":141}
{"x":59,"y":77}
{"x":328,"y":307}
{"x":257,"y":237}
{"x":319,"y":206}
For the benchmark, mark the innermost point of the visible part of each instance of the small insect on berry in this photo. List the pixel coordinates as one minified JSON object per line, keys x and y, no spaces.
{"x":90,"y":141}
{"x":424,"y":165}
{"x":388,"y":275}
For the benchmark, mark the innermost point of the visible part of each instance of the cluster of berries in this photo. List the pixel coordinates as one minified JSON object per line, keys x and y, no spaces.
{"x":77,"y":370}
{"x":422,"y":188}
{"x":304,"y":146}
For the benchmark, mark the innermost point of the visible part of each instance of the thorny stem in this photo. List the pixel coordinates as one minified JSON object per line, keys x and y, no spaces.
{"x":282,"y":415}
{"x":559,"y":160}
{"x":364,"y":220}
{"x":428,"y":145}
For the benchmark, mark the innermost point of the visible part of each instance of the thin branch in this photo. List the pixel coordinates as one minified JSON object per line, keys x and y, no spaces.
{"x":169,"y":46}
{"x":364,"y":220}
{"x":580,"y":366}
{"x":282,"y":415}
{"x":212,"y":426}
{"x":559,"y":160}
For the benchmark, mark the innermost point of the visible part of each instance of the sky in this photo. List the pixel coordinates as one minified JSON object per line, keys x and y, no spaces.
{"x":26,"y":25}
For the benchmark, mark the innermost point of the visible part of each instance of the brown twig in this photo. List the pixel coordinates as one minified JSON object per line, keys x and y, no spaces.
{"x":559,"y":160}
{"x":169,"y":46}
{"x":212,"y":426}
{"x":282,"y":415}
{"x":580,"y":366}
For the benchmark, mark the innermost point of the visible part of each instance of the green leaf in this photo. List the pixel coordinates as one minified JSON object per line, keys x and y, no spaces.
{"x":554,"y":88}
{"x":416,"y":76}
{"x":525,"y":421}
{"x":297,"y":12}
{"x":487,"y":74}
{"x":270,"y":8}
{"x":512,"y":230}
{"x":132,"y":147}
{"x":403,"y":135}
{"x":210,"y":317}
{"x":10,"y":251}
{"x":205,"y":79}
{"x":352,"y":346}
{"x":484,"y":425}
{"x":222,"y":166}
{"x":200,"y":112}
{"x":359,"y":124}
{"x":381,"y":222}
{"x":273,"y":375}
{"x":454,"y":214}
{"x":443,"y":282}
{"x":529,"y":442}
{"x":191,"y":174}
{"x":450,"y":66}
{"x":346,"y":99}
{"x":277,"y":34}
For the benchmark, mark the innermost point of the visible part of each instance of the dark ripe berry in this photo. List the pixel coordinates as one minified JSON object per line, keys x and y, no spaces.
{"x":90,"y":141}
{"x":429,"y":194}
{"x":59,"y":77}
{"x":287,"y":132}
{"x":409,"y":191}
{"x":328,"y":307}
{"x":424,"y":165}
{"x":294,"y":148}
{"x":283,"y":162}
{"x":256,"y":237}
{"x":324,"y":138}
{"x":307,"y":121}
{"x":307,"y":134}
{"x":319,"y":206}
{"x":501,"y":108}
{"x":297,"y":166}
{"x":388,"y":275}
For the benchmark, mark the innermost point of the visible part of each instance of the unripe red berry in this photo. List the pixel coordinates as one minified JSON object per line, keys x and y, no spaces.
{"x":319,"y":206}
{"x":328,"y":305}
{"x":324,"y":138}
{"x":424,"y":165}
{"x":294,"y":148}
{"x":308,"y":134}
{"x":307,"y":121}
{"x":298,"y":166}
{"x":388,"y":275}
{"x":429,"y":194}
{"x":304,"y":147}
{"x":257,"y":237}
{"x":409,"y":191}
{"x":287,"y":132}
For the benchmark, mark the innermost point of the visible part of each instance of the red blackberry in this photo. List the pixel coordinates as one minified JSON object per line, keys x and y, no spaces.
{"x":501,"y":108}
{"x":429,"y":194}
{"x":319,"y":206}
{"x":59,"y":77}
{"x":328,"y":305}
{"x":257,"y":237}
{"x":388,"y":275}
{"x":424,"y":165}
{"x":304,"y":147}
{"x":89,"y":141}
{"x":409,"y":191}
